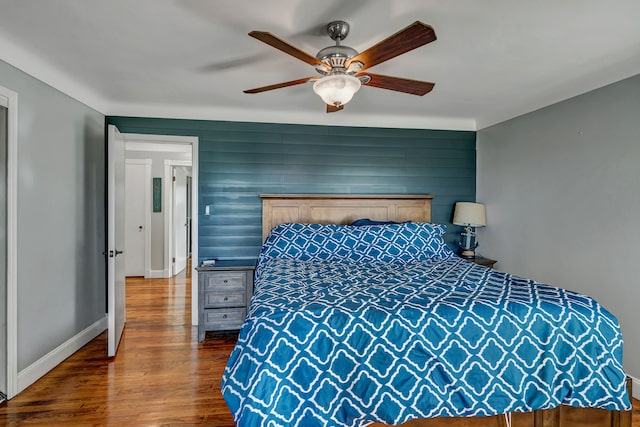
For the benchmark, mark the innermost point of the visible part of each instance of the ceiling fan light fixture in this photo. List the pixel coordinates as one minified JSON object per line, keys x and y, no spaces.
{"x":337,"y":89}
{"x":339,"y":65}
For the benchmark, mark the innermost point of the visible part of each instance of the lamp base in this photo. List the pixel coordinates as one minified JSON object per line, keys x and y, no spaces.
{"x":468,"y":254}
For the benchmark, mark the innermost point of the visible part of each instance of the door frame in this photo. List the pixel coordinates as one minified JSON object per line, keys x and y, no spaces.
{"x":169,"y":247}
{"x":12,"y":240}
{"x":193,"y":141}
{"x":147,"y":209}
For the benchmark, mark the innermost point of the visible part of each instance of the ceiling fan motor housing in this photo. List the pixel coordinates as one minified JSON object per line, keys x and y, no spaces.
{"x":336,"y":56}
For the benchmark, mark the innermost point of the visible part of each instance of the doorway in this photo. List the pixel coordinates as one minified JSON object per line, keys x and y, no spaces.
{"x":164,"y":153}
{"x":3,"y":250}
{"x":8,"y":243}
{"x":180,"y":218}
{"x":137,"y":217}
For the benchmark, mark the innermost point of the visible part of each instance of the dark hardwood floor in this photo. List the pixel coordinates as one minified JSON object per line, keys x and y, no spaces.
{"x":161,"y":375}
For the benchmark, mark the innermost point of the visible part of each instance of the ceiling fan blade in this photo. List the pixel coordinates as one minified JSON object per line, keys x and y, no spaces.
{"x":413,"y":87}
{"x":333,"y":108}
{"x":285,"y":47}
{"x":280,"y":85}
{"x":409,"y":38}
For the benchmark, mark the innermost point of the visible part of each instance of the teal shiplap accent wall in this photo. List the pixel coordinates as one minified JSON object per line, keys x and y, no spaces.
{"x":240,"y":160}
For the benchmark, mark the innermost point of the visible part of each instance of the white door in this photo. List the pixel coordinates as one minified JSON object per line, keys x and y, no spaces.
{"x":135,"y":189}
{"x":115,"y":238}
{"x":180,"y":219}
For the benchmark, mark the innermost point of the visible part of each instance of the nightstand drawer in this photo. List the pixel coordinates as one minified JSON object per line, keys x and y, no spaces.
{"x":225,"y":279}
{"x":228,"y":299}
{"x":224,"y":318}
{"x":224,"y":293}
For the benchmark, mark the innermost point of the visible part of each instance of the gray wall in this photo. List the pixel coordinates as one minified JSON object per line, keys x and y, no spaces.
{"x":61,"y":223}
{"x":562,"y":190}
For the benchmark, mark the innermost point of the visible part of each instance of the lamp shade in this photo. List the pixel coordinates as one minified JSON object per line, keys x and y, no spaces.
{"x":337,"y":89}
{"x":469,"y":214}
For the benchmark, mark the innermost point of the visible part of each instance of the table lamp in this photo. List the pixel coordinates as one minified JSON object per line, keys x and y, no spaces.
{"x":469,"y":215}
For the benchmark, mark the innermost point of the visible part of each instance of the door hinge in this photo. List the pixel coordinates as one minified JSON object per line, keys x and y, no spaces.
{"x":174,"y":179}
{"x":174,"y":259}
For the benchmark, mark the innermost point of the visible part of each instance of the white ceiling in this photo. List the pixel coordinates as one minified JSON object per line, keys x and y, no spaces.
{"x":493,"y":60}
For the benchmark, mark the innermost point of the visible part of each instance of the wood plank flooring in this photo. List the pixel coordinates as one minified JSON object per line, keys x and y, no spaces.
{"x":161,"y":375}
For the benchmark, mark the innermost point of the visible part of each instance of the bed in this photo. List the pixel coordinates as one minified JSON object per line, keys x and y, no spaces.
{"x":383,"y":324}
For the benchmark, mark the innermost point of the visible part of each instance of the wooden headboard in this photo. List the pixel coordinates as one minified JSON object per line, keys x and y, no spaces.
{"x":342,"y":208}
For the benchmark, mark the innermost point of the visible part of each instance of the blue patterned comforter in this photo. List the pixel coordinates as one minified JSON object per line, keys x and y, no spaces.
{"x":350,"y":326}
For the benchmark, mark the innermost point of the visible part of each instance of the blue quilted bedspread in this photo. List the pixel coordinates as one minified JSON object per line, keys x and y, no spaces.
{"x":353,"y":325}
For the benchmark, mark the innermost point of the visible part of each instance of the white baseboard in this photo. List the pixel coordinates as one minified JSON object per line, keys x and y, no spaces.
{"x":157,"y":274}
{"x":635,"y":387}
{"x":37,"y":369}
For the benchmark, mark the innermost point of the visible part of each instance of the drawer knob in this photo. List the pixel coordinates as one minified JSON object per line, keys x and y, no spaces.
{"x":226,"y":298}
{"x":224,"y":316}
{"x":225,"y":281}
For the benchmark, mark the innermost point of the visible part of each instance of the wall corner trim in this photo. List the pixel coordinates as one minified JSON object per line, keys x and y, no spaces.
{"x":40,"y":367}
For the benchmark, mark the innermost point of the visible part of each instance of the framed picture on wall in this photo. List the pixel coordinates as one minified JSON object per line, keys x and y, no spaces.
{"x":157,"y":194}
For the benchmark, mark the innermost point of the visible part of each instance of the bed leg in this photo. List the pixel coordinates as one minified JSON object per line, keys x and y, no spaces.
{"x":546,"y":418}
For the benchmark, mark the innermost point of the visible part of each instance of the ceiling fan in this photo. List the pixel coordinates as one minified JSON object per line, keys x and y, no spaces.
{"x":342,"y":68}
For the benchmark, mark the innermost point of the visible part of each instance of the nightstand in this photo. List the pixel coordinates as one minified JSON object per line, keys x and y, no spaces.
{"x":480,"y":260}
{"x":224,"y":293}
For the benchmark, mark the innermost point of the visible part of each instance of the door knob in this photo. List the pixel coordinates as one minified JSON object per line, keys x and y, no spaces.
{"x":139,"y":227}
